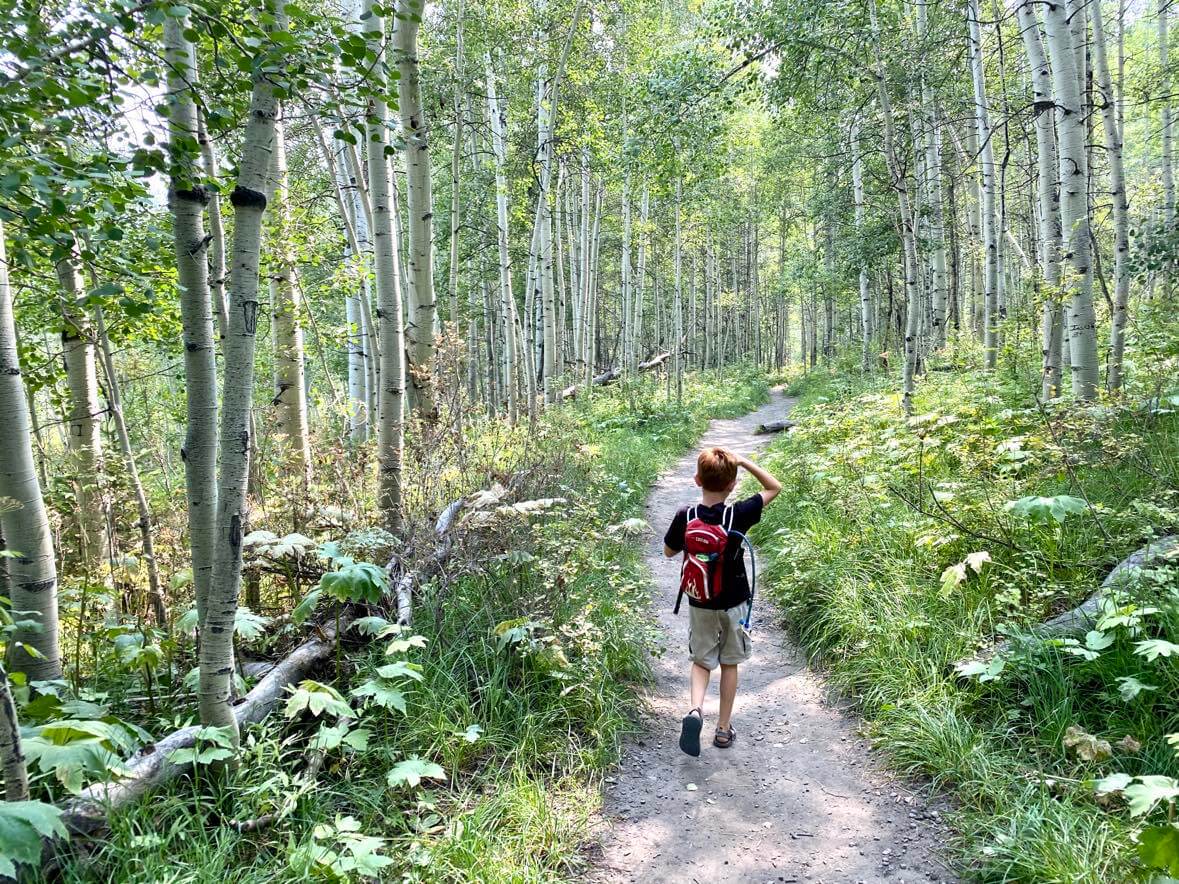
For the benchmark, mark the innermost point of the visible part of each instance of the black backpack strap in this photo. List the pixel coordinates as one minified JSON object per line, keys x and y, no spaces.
{"x":679,"y":598}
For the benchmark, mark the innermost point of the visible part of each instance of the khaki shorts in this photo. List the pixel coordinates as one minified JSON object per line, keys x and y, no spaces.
{"x":718,"y":636}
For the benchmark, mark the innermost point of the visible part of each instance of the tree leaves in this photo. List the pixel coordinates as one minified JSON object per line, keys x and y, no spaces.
{"x":22,"y":826}
{"x":1158,"y":847}
{"x":412,"y":771}
{"x":1154,"y":648}
{"x":316,"y":698}
{"x":1043,"y":510}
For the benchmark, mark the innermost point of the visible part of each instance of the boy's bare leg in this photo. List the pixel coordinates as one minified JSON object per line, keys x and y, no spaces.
{"x":700,"y":687}
{"x":728,"y":692}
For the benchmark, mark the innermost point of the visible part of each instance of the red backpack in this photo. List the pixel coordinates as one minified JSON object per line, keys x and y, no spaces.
{"x":702,"y":572}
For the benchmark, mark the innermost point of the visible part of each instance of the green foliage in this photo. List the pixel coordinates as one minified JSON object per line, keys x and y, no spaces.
{"x":23,"y":825}
{"x":899,"y":565}
{"x":412,"y":771}
{"x":210,"y":745}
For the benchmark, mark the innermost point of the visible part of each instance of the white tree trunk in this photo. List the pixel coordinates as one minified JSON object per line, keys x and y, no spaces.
{"x":497,"y":111}
{"x":290,"y":390}
{"x":419,"y":329}
{"x":1164,"y":12}
{"x":640,"y":280}
{"x":115,"y":397}
{"x":1048,"y":193}
{"x":83,"y":417}
{"x":629,"y":357}
{"x":1072,"y":162}
{"x":32,"y":577}
{"x":933,"y":171}
{"x":677,"y":343}
{"x":187,"y":199}
{"x":1121,"y":209}
{"x":990,"y":215}
{"x":858,"y":197}
{"x":387,"y":275}
{"x":908,"y":229}
{"x":249,"y":201}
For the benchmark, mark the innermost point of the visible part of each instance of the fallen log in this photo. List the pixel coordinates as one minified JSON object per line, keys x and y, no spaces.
{"x":1083,"y":617}
{"x":774,"y":427}
{"x":89,"y":811}
{"x":612,"y":374}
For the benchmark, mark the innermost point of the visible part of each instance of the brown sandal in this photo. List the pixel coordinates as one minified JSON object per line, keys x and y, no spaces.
{"x":723,"y":739}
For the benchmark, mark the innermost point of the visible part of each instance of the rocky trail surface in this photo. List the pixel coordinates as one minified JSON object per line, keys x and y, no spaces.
{"x":801,"y":796}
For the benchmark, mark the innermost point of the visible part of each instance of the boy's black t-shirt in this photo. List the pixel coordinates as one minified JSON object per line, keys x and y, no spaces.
{"x":746,"y":514}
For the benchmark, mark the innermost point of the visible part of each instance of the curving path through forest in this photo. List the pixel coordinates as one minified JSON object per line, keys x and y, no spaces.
{"x":799,"y":798}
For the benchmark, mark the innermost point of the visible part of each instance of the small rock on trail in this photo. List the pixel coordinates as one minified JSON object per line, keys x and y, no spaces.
{"x":799,"y":797}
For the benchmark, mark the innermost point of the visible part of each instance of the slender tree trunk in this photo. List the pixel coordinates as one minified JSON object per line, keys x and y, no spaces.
{"x":991,"y":231}
{"x":12,"y":756}
{"x":1070,"y":127}
{"x":290,"y":389}
{"x":187,"y":199}
{"x":31,"y":577}
{"x":115,"y":398}
{"x":677,"y":346}
{"x":83,"y":418}
{"x":497,"y":112}
{"x":865,"y":300}
{"x":641,"y":277}
{"x":908,"y":229}
{"x":1049,"y":198}
{"x":629,"y":360}
{"x":1164,"y":13}
{"x":387,"y":275}
{"x":933,"y":171}
{"x":1121,"y":209}
{"x":419,"y":330}
{"x":249,"y":202}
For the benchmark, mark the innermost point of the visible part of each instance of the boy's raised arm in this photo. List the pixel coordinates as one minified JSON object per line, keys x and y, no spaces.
{"x":770,"y":485}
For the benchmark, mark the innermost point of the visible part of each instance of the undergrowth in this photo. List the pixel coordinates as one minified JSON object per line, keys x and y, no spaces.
{"x":477,"y":757}
{"x":902,"y":550}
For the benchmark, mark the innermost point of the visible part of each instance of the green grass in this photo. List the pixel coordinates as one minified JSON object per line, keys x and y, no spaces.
{"x":517,"y":801}
{"x":874,"y":511}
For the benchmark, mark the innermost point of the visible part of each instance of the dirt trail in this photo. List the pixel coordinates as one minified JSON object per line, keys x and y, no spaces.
{"x":800,"y":797}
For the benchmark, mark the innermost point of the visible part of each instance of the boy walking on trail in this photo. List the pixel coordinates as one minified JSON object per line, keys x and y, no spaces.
{"x":718,"y":632}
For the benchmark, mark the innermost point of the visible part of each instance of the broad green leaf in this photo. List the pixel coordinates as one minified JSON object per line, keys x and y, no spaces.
{"x":382,"y":694}
{"x":22,"y":826}
{"x":952,"y":578}
{"x":1154,"y":648}
{"x":316,"y":698}
{"x":1116,"y":782}
{"x":1095,"y":640}
{"x":400,"y":669}
{"x":1130,"y":687}
{"x":412,"y":771}
{"x":401,"y":645}
{"x":1158,"y":847}
{"x":1149,"y":791}
{"x":306,"y":608}
{"x":249,"y":625}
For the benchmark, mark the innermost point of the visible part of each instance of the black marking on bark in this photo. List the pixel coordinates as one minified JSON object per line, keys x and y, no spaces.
{"x":235,"y":531}
{"x":39,"y":585}
{"x":198,"y":195}
{"x":183,"y":454}
{"x":244,"y":437}
{"x":245,"y":198}
{"x":250,"y":316}
{"x":12,"y":371}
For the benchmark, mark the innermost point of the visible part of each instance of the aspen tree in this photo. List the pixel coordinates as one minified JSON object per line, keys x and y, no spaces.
{"x":908,"y":230}
{"x":187,"y":197}
{"x":1073,"y":166}
{"x":497,"y":112}
{"x":24,"y":523}
{"x":387,"y":278}
{"x":1121,"y":208}
{"x":991,"y":231}
{"x":290,"y":386}
{"x":249,"y":201}
{"x":1048,"y":193}
{"x":419,"y":327}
